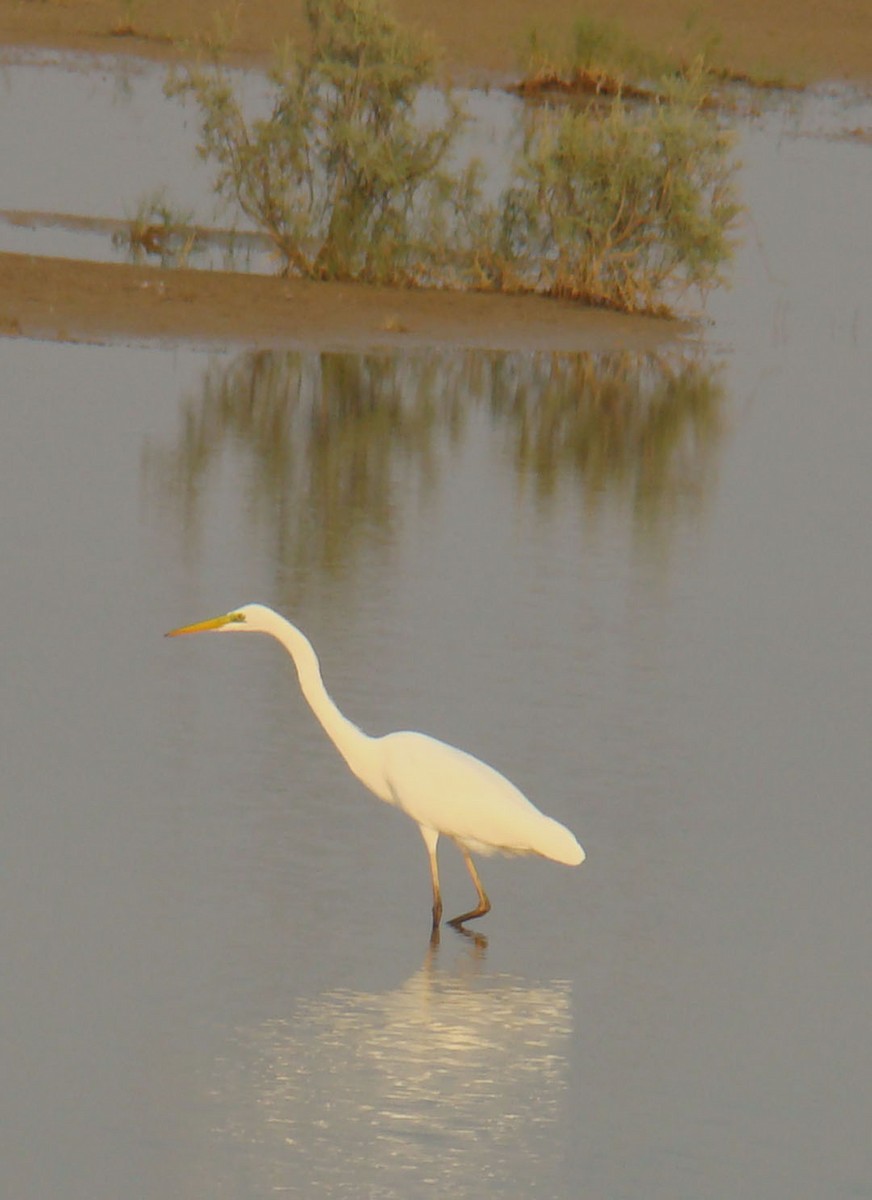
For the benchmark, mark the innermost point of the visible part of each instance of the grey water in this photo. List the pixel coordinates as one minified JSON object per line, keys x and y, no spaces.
{"x":639,"y":585}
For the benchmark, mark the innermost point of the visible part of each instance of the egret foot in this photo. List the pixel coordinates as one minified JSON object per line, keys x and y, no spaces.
{"x":484,"y":905}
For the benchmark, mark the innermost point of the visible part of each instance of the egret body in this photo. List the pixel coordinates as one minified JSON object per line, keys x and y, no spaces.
{"x":445,"y":790}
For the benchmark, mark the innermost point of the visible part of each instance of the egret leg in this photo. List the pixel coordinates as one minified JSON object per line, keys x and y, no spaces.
{"x":484,"y":904}
{"x":430,"y":840}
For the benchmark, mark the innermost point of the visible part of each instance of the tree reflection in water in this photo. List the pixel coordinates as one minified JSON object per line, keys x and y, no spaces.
{"x":638,"y":427}
{"x":447,"y":1085}
{"x":338,"y":445}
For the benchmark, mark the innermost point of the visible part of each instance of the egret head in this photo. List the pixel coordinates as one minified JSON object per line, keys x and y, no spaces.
{"x":251,"y":618}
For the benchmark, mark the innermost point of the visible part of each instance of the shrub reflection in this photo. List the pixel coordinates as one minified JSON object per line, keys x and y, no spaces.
{"x":336,"y":446}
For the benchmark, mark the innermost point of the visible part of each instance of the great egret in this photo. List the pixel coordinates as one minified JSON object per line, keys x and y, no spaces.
{"x":445,"y":790}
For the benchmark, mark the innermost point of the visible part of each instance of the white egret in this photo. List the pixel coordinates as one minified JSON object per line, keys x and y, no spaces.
{"x":445,"y":790}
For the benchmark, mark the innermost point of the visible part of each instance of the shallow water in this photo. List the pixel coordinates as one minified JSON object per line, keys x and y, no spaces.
{"x":641,"y":587}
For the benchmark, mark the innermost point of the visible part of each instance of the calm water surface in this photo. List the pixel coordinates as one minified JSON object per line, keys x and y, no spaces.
{"x":641,"y":587}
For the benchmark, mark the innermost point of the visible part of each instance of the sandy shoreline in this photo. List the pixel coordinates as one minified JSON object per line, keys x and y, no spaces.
{"x":798,"y":39}
{"x":67,"y":300}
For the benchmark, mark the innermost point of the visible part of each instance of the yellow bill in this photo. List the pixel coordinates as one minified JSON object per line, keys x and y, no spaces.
{"x":206,"y":626}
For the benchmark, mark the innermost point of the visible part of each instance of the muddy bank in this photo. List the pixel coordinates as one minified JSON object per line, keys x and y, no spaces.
{"x":798,"y":39}
{"x":67,"y":300}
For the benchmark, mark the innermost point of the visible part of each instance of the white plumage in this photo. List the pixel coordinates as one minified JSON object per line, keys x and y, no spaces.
{"x":445,"y":790}
{"x":456,"y":794}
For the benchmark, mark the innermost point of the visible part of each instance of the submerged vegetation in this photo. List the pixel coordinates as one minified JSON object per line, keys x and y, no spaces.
{"x":627,"y":207}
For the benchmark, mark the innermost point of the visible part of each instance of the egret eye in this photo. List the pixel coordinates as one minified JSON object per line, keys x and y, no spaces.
{"x":238,"y":618}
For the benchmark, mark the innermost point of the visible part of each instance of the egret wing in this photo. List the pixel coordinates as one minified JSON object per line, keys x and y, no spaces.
{"x":454,"y":793}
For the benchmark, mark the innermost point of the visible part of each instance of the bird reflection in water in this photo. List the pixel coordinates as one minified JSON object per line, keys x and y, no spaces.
{"x":451,"y":1084}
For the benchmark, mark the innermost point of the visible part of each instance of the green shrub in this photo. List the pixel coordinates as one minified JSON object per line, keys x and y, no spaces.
{"x":340,"y":174}
{"x":600,"y":49}
{"x":626,"y":207}
{"x":626,"y":210}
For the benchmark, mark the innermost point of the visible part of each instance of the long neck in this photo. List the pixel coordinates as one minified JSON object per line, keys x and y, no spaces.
{"x":353,"y":744}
